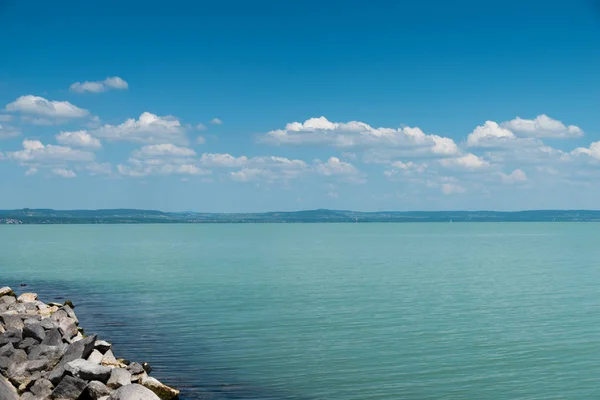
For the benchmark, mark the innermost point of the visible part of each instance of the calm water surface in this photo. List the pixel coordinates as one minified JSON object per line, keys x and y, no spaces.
{"x":328,"y":311}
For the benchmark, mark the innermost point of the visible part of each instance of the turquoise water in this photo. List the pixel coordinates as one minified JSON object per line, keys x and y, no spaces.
{"x":328,"y":311}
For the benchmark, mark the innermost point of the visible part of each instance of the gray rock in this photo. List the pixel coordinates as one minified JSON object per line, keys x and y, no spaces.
{"x":12,"y":322}
{"x":41,"y":364}
{"x":7,"y":390}
{"x":11,"y":336}
{"x":6,"y":350}
{"x":27,"y":298}
{"x":69,"y":388}
{"x":137,"y":371}
{"x":8,"y":300}
{"x":97,"y":390}
{"x":68,"y":329}
{"x":29,"y":396}
{"x":133,"y":392}
{"x":17,"y":356}
{"x":42,"y":388}
{"x":30,"y":308}
{"x":31,"y":321}
{"x":109,"y":359}
{"x":102,"y":346}
{"x":95,"y":357}
{"x":52,"y":353}
{"x":20,"y":308}
{"x":48,"y":324}
{"x":119,"y":377}
{"x":70,"y":313}
{"x":35,"y":331}
{"x":27,"y":343}
{"x":6,"y":291}
{"x":163,"y":391}
{"x":80,"y":349}
{"x":53,"y":337}
{"x":89,"y":371}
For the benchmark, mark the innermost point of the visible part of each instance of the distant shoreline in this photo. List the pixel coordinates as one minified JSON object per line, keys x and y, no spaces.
{"x":132,"y":216}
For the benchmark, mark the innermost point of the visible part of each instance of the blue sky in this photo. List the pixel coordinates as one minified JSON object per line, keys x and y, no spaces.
{"x":271,"y":105}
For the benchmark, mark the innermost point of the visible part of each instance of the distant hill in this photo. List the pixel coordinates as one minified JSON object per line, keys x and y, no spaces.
{"x":132,"y":216}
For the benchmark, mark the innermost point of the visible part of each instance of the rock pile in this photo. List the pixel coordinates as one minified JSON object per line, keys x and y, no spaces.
{"x":44,"y":355}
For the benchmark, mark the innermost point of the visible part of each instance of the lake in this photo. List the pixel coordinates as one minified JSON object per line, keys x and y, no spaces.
{"x":333,"y":311}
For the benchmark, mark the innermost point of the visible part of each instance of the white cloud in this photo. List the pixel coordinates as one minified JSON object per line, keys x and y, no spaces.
{"x":100,"y":86}
{"x":406,"y":168}
{"x":201,"y":127}
{"x":216,"y":121}
{"x":8,"y":133}
{"x":469,"y":161}
{"x":35,"y":151}
{"x":163,"y":150}
{"x":514,"y":177}
{"x":116,"y":83}
{"x":490,"y":134}
{"x":31,"y":171}
{"x":452,"y":188}
{"x":137,"y":168}
{"x":593,"y":150}
{"x":65,"y":173}
{"x":223,"y":160}
{"x":149,"y":128}
{"x":98,"y":168}
{"x":542,"y":126}
{"x":5,"y":118}
{"x":251,"y":174}
{"x":334,"y":166}
{"x":78,"y":139}
{"x":40,"y":106}
{"x":200,"y":139}
{"x":359,"y":134}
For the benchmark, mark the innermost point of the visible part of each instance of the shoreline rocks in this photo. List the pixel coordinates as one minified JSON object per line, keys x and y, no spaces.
{"x":44,"y":355}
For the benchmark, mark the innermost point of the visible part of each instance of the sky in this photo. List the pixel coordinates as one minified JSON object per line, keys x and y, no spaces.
{"x":246,"y":106}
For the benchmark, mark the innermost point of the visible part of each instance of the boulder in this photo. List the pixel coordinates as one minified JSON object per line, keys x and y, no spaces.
{"x":12,"y":361}
{"x":12,"y":322}
{"x":137,"y":371}
{"x":6,"y":291}
{"x":42,"y":388}
{"x":27,"y":343}
{"x":46,"y":312}
{"x":95,"y":357}
{"x":80,"y":349}
{"x":6,"y":350}
{"x":7,"y":390}
{"x":11,"y":336}
{"x":48,"y":324}
{"x":102,"y":346}
{"x":133,"y":392}
{"x":119,"y":377}
{"x":70,"y":313}
{"x":163,"y":391}
{"x":89,"y":371}
{"x":51,"y":353}
{"x":96,"y":390}
{"x":109,"y":359}
{"x":69,"y":388}
{"x":53,"y":337}
{"x":29,"y":396}
{"x":35,"y":331}
{"x":27,"y":298}
{"x":8,"y":300}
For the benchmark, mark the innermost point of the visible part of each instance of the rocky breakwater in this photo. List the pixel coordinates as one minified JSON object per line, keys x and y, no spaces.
{"x":45,"y":355}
